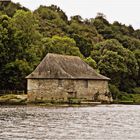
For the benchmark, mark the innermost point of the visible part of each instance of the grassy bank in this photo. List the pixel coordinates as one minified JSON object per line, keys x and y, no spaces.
{"x":13,"y":99}
{"x":126,"y":98}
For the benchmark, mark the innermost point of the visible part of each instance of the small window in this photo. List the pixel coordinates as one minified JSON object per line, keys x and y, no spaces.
{"x":39,"y":83}
{"x":86,"y":83}
{"x":59,"y":83}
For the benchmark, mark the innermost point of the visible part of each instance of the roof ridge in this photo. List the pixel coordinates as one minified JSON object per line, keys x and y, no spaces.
{"x":63,"y":55}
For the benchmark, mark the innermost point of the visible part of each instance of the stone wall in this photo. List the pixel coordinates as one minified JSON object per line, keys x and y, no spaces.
{"x":62,"y":90}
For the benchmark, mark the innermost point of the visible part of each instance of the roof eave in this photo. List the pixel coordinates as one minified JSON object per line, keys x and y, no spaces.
{"x":65,"y":78}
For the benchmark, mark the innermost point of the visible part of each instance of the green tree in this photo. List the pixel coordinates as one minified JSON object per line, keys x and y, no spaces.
{"x":91,"y":62}
{"x":15,"y":72}
{"x":84,"y":45}
{"x":116,"y":62}
{"x":60,"y":45}
{"x":19,"y":42}
{"x":52,"y":21}
{"x":9,"y":8}
{"x":129,"y":42}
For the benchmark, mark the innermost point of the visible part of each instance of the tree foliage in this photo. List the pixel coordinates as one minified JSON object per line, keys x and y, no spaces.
{"x":20,"y":48}
{"x":26,"y":37}
{"x":116,"y":62}
{"x":60,"y":45}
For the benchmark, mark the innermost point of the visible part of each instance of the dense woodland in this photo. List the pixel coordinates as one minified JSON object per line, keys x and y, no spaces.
{"x":26,"y":37}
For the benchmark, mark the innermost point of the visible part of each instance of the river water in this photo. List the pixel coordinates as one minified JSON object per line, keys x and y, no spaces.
{"x":102,"y":122}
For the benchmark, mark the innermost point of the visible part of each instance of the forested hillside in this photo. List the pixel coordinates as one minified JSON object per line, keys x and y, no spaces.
{"x":26,"y":37}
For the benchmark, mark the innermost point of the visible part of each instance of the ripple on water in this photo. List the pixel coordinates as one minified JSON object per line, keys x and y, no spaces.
{"x":104,"y":122}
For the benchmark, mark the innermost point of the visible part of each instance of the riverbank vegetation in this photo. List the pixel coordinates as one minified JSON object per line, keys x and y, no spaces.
{"x":13,"y":99}
{"x":113,"y":49}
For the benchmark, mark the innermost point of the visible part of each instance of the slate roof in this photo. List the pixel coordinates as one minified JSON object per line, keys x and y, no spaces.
{"x":56,"y":66}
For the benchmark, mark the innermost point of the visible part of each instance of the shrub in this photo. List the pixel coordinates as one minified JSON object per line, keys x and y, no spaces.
{"x":114,"y":91}
{"x":136,"y":90}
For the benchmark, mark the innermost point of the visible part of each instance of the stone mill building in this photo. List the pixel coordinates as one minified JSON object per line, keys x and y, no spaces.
{"x":61,"y":77}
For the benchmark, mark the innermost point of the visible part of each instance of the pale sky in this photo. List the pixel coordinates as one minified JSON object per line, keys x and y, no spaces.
{"x":124,"y":11}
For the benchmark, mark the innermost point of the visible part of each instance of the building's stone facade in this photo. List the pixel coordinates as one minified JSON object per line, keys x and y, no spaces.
{"x":62,"y":90}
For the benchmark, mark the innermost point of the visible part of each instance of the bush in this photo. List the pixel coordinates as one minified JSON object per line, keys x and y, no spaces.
{"x":74,"y":101}
{"x":136,"y":90}
{"x":114,"y":91}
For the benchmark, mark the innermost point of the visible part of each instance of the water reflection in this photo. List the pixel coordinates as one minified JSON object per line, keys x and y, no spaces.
{"x":104,"y":122}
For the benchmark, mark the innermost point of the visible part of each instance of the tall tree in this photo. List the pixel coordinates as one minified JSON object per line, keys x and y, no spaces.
{"x":20,"y":47}
{"x":60,"y":45}
{"x":116,"y":62}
